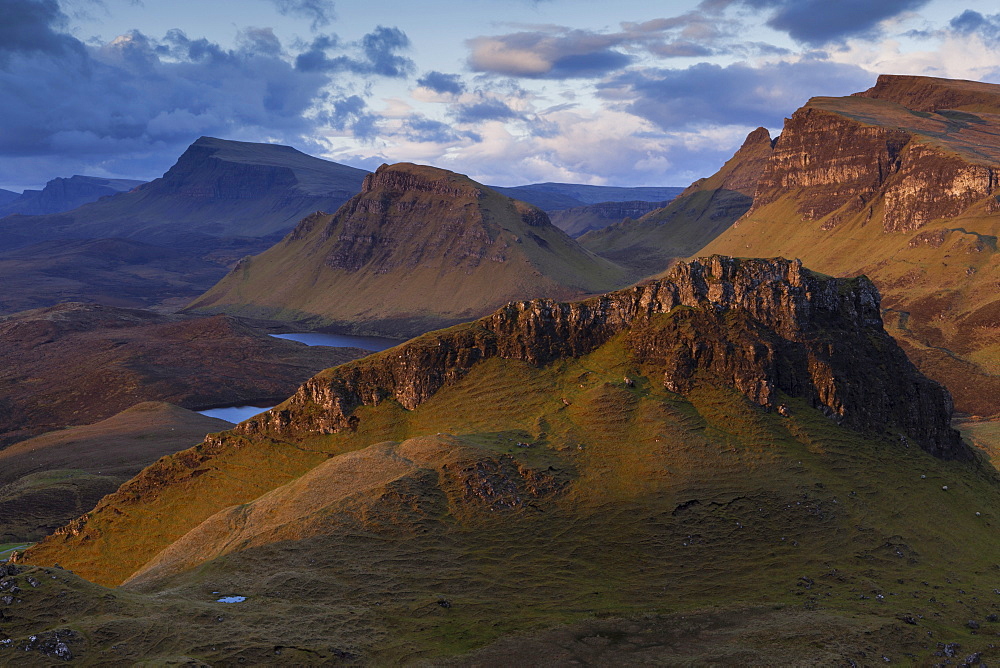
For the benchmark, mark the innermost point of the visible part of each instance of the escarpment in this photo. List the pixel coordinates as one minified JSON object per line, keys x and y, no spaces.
{"x":765,"y":327}
{"x":907,"y":151}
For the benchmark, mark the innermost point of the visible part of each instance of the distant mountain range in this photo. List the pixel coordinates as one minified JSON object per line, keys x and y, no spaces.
{"x":560,"y":196}
{"x":217,"y":189}
{"x":61,"y":195}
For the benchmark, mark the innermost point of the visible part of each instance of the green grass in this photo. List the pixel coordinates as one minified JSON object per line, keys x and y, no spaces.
{"x":7,"y":548}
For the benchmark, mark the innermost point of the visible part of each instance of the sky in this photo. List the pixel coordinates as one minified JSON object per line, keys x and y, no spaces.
{"x":627,"y":93}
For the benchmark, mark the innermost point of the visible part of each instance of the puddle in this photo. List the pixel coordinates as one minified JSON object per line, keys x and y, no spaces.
{"x":231,"y":599}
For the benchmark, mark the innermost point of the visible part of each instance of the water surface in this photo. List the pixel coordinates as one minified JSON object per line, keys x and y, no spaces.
{"x":235,"y":414}
{"x":373,"y":343}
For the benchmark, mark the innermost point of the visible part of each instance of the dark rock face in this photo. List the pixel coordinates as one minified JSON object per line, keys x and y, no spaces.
{"x":761,"y":326}
{"x":582,"y":219}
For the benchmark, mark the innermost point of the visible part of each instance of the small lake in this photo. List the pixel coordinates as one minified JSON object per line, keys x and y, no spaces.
{"x":235,"y":414}
{"x":372,"y":343}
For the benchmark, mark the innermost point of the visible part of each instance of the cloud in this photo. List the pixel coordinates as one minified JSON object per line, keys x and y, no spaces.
{"x":319,"y":11}
{"x":378,"y":55}
{"x":129,"y":107}
{"x":970,"y":22}
{"x":818,"y":22}
{"x":30,"y":27}
{"x":442,"y":83}
{"x":488,"y":109}
{"x":558,"y":52}
{"x":737,"y":94}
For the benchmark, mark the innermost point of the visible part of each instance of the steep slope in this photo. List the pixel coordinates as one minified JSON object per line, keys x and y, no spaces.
{"x":61,"y":194}
{"x":908,"y":196}
{"x":217,"y":188}
{"x":418,"y":248}
{"x":558,"y":196}
{"x":609,"y":468}
{"x":78,"y":363}
{"x":48,"y":480}
{"x":699,"y":214}
{"x":582,"y":219}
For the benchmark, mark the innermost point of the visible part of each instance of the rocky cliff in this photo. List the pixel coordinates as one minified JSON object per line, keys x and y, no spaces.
{"x":899,"y":182}
{"x":419,"y":248}
{"x":698,"y":215}
{"x":766,"y":327}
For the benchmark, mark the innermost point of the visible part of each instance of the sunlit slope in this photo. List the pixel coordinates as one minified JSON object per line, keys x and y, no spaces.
{"x":905,"y":195}
{"x":418,"y":249}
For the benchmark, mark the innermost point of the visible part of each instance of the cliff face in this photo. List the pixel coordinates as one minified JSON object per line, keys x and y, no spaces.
{"x":911,"y":177}
{"x":900,"y":183}
{"x":698,"y":215}
{"x":763,"y":326}
{"x":419,"y":248}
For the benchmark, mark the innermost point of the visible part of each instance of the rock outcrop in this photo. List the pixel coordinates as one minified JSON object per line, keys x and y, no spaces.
{"x":765,"y":327}
{"x":419,"y":248}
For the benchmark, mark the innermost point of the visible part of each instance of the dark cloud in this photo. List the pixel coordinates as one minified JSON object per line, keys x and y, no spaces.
{"x":969,"y":22}
{"x":707,"y":94}
{"x":442,"y":83}
{"x":818,"y":22}
{"x":31,"y":26}
{"x":320,"y":12}
{"x":487,"y":109}
{"x":378,"y":55}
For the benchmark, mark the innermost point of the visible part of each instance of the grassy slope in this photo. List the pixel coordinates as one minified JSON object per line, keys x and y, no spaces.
{"x":674,"y":506}
{"x":292,"y":281}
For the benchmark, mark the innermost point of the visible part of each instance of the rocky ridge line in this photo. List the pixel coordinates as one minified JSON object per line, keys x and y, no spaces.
{"x":762,"y":326}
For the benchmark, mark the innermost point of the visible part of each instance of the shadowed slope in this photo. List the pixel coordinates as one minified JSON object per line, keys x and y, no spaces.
{"x":50,"y":479}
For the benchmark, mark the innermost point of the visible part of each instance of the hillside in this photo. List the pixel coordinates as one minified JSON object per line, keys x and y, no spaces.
{"x":908,"y":196}
{"x":699,"y":214}
{"x":75,"y":364}
{"x":61,"y":194}
{"x":418,"y":248}
{"x":733,"y":464}
{"x":48,"y":480}
{"x":218,"y":188}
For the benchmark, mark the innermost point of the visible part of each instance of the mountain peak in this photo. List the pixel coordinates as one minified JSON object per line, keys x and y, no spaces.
{"x":932,"y":94}
{"x":406,"y":176}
